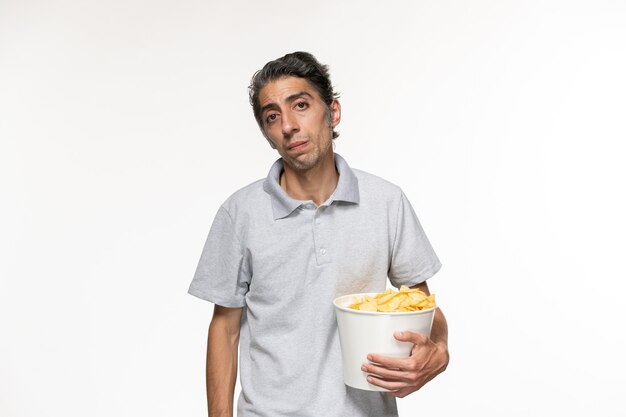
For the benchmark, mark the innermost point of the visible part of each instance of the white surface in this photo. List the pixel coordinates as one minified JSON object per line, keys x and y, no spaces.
{"x":362,"y":333}
{"x":124,"y":125}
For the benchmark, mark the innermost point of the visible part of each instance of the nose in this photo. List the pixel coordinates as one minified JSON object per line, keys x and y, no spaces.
{"x":289,"y":124}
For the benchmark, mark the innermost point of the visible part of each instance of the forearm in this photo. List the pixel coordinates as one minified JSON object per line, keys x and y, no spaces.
{"x":439,"y":332}
{"x":221,"y":367}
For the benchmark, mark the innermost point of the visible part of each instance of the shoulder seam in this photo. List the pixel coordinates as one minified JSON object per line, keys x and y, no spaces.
{"x":395,"y":236}
{"x":232,"y":222}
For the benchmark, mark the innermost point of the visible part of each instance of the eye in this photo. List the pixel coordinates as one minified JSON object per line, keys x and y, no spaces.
{"x":271,"y":117}
{"x":301,"y":105}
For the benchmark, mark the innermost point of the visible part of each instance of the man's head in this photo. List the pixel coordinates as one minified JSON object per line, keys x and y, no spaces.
{"x":297,"y":64}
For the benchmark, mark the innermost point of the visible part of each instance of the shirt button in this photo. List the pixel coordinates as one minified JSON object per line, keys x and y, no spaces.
{"x":323,"y":251}
{"x":317,"y":221}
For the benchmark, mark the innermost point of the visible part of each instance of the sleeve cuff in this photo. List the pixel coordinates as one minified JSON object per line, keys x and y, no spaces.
{"x":217,"y":299}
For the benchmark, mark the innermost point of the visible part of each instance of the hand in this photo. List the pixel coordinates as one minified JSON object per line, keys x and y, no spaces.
{"x":402,"y":376}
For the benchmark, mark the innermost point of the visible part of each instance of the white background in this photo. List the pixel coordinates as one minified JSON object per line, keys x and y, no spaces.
{"x":125,"y":124}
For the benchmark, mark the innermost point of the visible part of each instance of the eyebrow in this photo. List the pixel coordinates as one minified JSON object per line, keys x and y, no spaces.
{"x":289,"y":99}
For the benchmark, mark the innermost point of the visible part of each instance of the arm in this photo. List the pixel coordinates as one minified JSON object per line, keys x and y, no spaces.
{"x":221,"y":363}
{"x":439,"y":332}
{"x":429,"y":357}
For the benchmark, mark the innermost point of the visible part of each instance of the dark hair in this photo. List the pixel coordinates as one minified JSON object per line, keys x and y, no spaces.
{"x":296,"y":64}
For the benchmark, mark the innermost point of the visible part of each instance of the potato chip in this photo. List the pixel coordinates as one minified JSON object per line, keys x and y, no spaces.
{"x":406,"y":299}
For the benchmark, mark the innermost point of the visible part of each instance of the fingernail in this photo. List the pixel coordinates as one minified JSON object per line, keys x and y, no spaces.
{"x":369,"y":357}
{"x":398,"y":334}
{"x":363,"y":368}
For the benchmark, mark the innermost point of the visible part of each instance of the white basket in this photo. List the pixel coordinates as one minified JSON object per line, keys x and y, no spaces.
{"x":364,"y":332}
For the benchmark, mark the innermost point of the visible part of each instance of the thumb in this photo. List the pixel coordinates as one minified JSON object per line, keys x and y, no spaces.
{"x":409,"y":336}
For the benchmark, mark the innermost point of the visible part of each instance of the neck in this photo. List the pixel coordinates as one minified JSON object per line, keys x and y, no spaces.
{"x":316,"y":184}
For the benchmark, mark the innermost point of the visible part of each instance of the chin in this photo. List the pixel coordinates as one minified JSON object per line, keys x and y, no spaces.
{"x":302,"y":164}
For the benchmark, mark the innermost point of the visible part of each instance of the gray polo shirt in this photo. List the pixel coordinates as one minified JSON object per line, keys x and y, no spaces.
{"x":284,"y":261}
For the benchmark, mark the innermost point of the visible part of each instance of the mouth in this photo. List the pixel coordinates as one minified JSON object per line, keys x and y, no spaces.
{"x":297,"y":145}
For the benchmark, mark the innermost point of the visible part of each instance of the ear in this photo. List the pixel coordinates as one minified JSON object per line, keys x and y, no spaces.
{"x":335,"y":113}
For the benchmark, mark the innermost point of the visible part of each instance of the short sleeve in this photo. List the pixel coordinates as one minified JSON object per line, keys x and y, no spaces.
{"x":221,"y":276}
{"x":413,"y":259}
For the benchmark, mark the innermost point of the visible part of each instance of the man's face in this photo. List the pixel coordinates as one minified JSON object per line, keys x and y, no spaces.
{"x":297,"y":122}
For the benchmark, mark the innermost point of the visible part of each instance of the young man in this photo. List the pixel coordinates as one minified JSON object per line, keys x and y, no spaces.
{"x":281,"y":249}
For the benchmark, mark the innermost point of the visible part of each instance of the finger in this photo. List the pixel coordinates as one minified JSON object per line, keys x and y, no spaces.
{"x":413,"y":337}
{"x":386,"y":373}
{"x":390,"y":385}
{"x":389,"y":362}
{"x":401,"y":393}
{"x":412,"y":387}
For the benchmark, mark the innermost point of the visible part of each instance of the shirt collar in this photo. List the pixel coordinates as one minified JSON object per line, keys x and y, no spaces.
{"x":282,"y":205}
